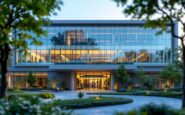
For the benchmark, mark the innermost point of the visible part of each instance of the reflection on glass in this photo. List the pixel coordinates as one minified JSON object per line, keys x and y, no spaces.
{"x":100,"y":44}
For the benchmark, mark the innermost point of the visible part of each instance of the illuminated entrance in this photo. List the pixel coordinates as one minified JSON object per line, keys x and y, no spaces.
{"x":93,"y":80}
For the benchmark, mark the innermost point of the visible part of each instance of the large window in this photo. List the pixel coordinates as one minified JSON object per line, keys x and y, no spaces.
{"x":100,"y":44}
{"x":19,"y":79}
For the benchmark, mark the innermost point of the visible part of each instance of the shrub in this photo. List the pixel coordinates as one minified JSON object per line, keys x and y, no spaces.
{"x":153,"y":109}
{"x":17,"y":87}
{"x":132,"y":112}
{"x":80,"y":95}
{"x":31,"y":106}
{"x":118,"y":113}
{"x":53,"y":85}
{"x":46,"y":95}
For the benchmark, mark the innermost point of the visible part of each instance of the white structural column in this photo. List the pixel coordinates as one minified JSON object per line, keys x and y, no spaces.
{"x":112,"y":81}
{"x":49,"y":56}
{"x":72,"y":81}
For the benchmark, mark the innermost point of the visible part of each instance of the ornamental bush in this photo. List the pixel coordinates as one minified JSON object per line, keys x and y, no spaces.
{"x":80,"y":95}
{"x":46,"y":95}
{"x":31,"y":106}
{"x":153,"y":109}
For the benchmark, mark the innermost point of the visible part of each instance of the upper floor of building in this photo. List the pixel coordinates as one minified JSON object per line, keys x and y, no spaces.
{"x":100,"y":41}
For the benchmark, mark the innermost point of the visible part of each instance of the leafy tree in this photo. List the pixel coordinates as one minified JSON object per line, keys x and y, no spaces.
{"x":159,"y":14}
{"x":21,"y":17}
{"x":141,"y":76}
{"x":144,"y":79}
{"x":171,"y":72}
{"x":150,"y":83}
{"x":31,"y":79}
{"x":122,"y":76}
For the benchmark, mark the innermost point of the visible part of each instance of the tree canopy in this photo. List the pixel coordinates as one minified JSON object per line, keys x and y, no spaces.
{"x":171,"y":72}
{"x":20,"y":21}
{"x":26,"y":16}
{"x":141,"y":76}
{"x":31,"y":79}
{"x":122,"y":75}
{"x":156,"y":13}
{"x":144,"y":79}
{"x":160,"y":14}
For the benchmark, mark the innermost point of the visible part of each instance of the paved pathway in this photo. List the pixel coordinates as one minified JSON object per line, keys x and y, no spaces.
{"x":109,"y":110}
{"x":138,"y":101}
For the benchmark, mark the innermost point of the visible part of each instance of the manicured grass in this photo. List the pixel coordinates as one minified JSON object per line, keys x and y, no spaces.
{"x":90,"y":102}
{"x":171,"y":94}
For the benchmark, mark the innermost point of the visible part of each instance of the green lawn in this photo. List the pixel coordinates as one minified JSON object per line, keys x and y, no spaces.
{"x":90,"y":102}
{"x":73,"y":103}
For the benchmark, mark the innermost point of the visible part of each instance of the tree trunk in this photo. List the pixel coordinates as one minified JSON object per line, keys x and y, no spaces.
{"x":183,"y":82}
{"x":5,"y":50}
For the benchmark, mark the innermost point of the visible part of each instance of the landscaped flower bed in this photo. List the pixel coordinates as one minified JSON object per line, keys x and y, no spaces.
{"x":90,"y":102}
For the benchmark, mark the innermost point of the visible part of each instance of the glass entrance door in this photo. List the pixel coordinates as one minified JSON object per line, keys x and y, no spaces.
{"x":93,"y":80}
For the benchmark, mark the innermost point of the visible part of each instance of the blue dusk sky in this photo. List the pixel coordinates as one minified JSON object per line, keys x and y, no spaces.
{"x":89,"y":10}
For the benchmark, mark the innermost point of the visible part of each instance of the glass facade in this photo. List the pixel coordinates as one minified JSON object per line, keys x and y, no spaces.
{"x":100,"y":44}
{"x":19,"y":79}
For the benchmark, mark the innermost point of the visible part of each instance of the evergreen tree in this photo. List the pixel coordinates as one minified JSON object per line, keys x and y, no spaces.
{"x":122,"y":77}
{"x":31,"y":79}
{"x":172,"y":73}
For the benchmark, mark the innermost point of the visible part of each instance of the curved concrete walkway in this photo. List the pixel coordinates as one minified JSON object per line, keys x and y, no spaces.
{"x":138,"y":101}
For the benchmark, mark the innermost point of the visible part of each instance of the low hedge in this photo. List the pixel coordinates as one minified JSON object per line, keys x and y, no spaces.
{"x":45,"y":95}
{"x":170,"y":94}
{"x":90,"y":102}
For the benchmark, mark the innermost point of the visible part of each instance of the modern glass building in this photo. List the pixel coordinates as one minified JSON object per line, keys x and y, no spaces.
{"x":84,"y":54}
